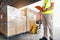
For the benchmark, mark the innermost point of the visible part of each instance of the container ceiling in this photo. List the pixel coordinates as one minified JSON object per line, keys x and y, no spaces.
{"x":19,"y":3}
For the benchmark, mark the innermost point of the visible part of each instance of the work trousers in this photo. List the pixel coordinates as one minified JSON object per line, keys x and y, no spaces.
{"x":47,"y":20}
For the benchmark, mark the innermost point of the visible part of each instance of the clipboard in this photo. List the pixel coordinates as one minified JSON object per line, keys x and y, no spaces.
{"x":40,"y":8}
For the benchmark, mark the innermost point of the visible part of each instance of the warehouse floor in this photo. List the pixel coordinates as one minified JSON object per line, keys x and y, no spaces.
{"x":33,"y":36}
{"x":22,"y":37}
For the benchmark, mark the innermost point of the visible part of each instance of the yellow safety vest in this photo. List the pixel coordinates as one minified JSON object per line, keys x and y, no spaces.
{"x":47,"y":4}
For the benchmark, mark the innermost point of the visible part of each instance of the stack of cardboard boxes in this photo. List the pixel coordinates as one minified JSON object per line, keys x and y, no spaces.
{"x":16,"y":21}
{"x":31,"y":18}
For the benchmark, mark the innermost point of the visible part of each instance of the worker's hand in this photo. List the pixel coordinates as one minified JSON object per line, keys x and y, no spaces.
{"x":44,"y":8}
{"x":52,"y":6}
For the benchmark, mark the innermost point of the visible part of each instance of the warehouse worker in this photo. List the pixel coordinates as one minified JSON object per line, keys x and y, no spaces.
{"x":47,"y":19}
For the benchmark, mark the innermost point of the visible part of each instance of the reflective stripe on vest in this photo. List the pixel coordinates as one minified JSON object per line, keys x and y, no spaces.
{"x":47,"y":5}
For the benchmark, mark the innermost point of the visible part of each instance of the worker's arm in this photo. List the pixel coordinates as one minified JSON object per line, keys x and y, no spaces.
{"x":52,"y":6}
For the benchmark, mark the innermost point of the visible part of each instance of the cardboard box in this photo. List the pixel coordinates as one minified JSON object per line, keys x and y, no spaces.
{"x":24,"y":12}
{"x":3,"y":28}
{"x":19,"y":30}
{"x":12,"y":24}
{"x":3,"y":17}
{"x":11,"y":31}
{"x":30,"y":23}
